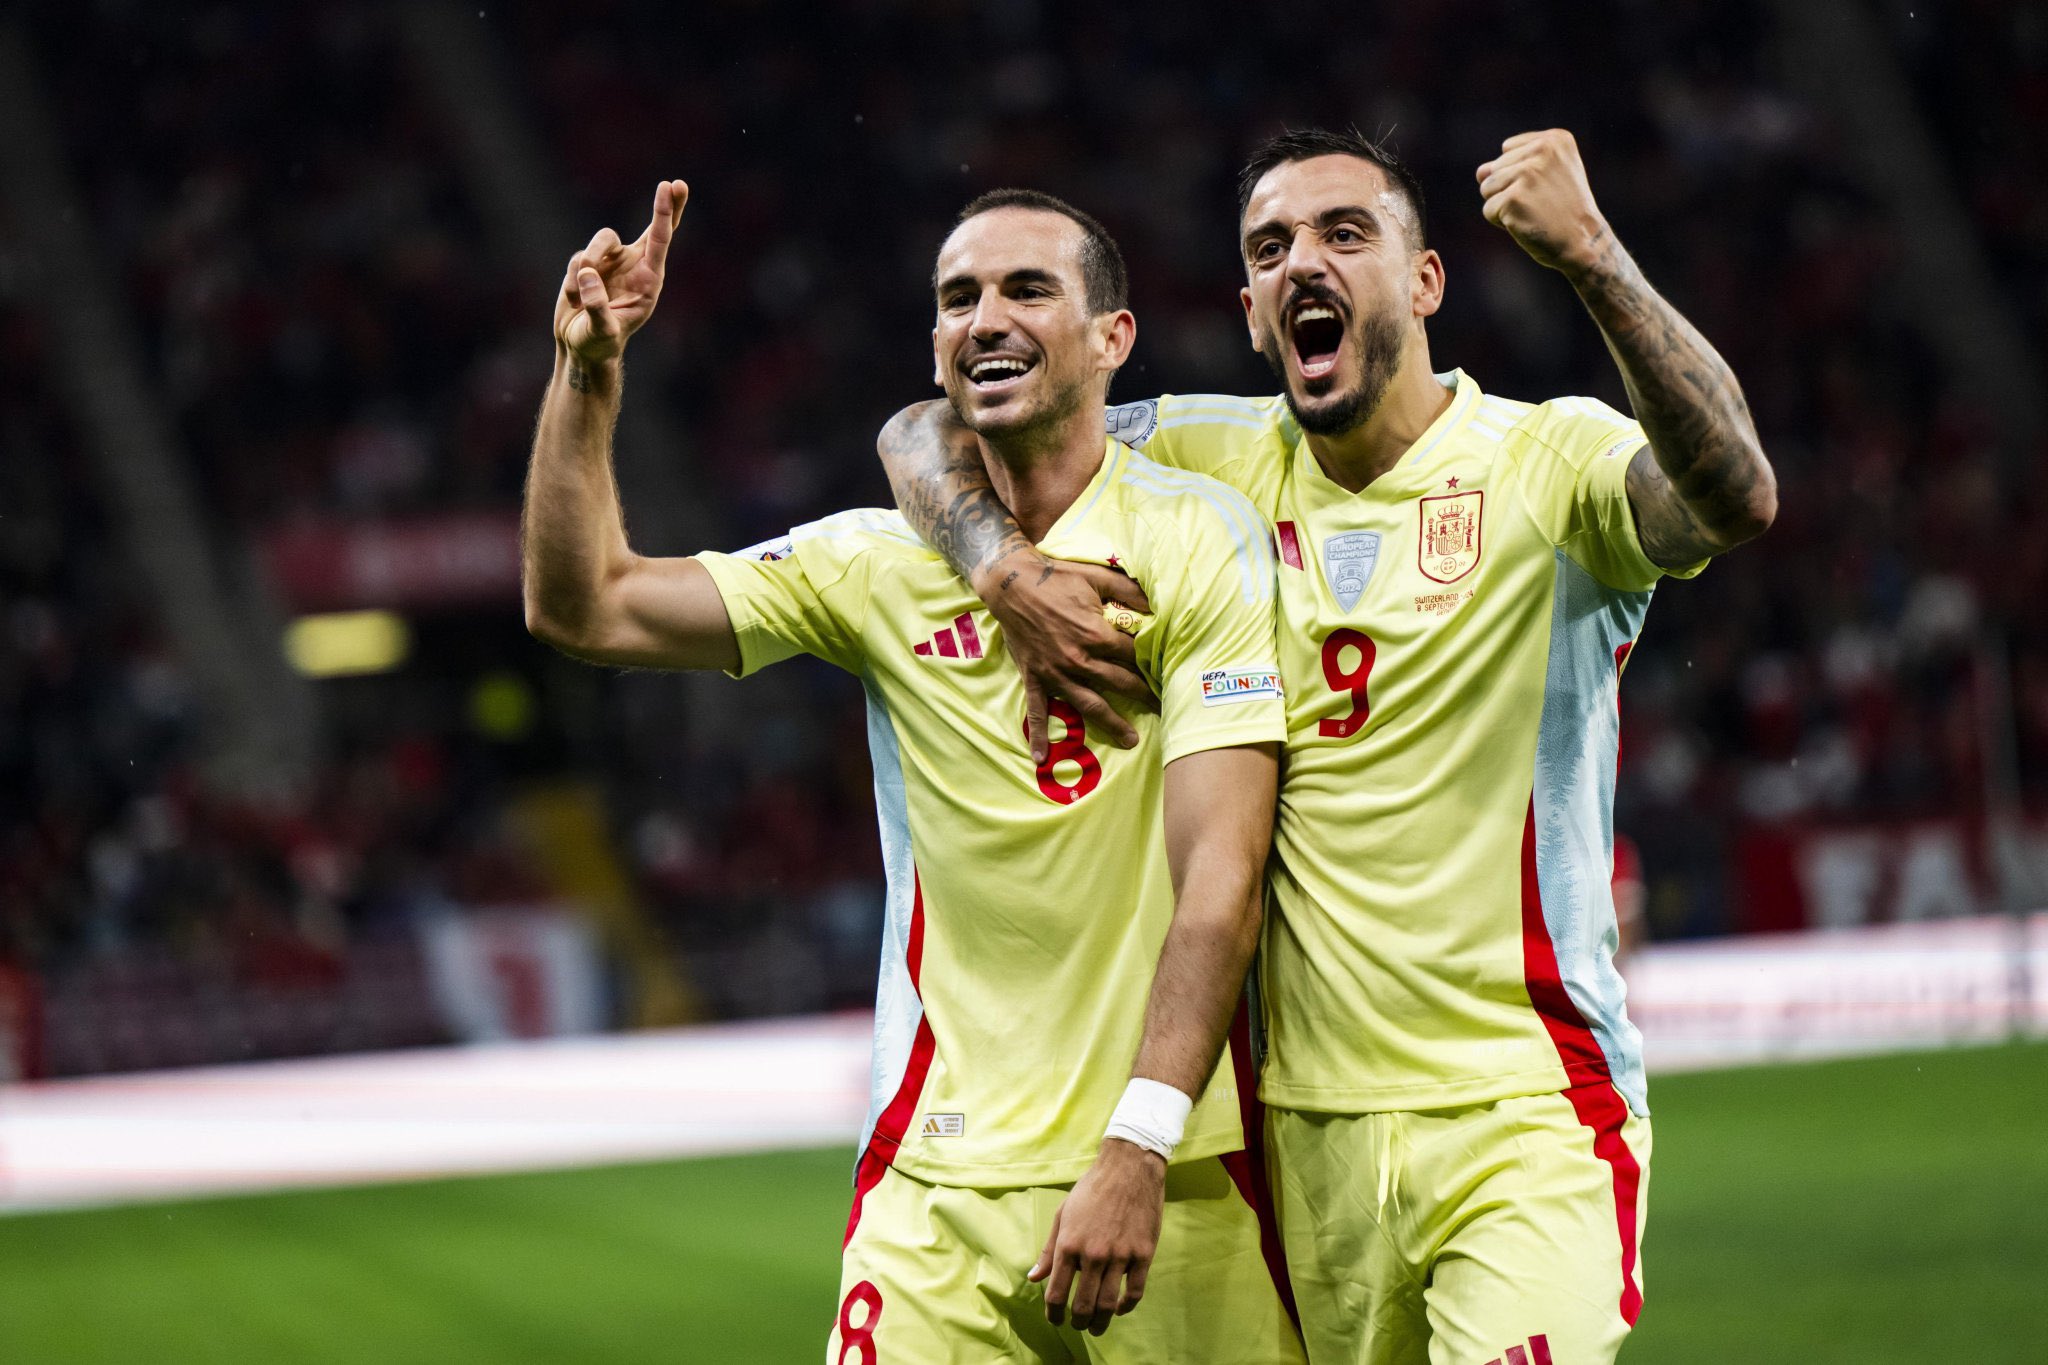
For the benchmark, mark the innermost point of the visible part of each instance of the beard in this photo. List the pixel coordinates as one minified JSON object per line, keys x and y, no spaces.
{"x":1377,"y":339}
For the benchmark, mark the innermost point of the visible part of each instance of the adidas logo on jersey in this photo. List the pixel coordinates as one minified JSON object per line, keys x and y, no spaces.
{"x":957,"y":641}
{"x":1537,"y":1354}
{"x":943,"y":1125}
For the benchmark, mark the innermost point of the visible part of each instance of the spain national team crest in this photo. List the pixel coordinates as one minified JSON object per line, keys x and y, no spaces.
{"x":1349,"y":560}
{"x":1450,"y":535}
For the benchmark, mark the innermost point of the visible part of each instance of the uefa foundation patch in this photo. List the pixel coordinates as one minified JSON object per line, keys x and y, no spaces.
{"x":1228,"y":686}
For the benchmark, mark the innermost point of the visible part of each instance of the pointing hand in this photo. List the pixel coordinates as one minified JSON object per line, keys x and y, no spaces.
{"x":610,"y":288}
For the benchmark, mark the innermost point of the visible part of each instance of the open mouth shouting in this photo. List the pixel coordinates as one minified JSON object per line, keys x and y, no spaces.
{"x":1317,"y":329}
{"x":997,"y":374}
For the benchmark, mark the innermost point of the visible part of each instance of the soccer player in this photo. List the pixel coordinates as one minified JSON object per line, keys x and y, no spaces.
{"x":1457,"y":1117}
{"x":1050,"y":919}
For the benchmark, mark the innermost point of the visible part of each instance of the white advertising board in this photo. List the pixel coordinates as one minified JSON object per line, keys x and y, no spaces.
{"x":1837,"y":992}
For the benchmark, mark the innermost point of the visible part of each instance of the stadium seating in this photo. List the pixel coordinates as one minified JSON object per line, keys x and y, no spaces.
{"x":337,"y":344}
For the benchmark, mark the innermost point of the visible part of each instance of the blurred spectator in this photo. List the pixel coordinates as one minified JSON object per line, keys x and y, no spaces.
{"x":327,"y":323}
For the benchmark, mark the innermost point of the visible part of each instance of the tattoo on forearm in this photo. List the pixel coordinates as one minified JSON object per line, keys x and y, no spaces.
{"x":946,"y":497}
{"x":1671,"y":535}
{"x":579,"y":378}
{"x":1704,"y":482}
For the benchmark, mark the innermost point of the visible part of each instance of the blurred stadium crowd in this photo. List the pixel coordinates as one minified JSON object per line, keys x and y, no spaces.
{"x":285,"y":206}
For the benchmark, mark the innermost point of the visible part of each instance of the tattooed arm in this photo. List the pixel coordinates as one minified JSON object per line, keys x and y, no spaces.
{"x":935,"y":471}
{"x":1703,"y":485}
{"x":1050,"y":611}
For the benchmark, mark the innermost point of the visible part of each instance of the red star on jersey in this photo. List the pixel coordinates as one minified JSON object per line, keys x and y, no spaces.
{"x":1450,"y":483}
{"x":1115,"y":563}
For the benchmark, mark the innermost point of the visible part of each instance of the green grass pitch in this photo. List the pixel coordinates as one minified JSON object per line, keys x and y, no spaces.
{"x":1882,"y":1210}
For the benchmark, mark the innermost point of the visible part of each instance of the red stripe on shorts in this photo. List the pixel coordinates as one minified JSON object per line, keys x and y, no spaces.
{"x":1590,"y":1086}
{"x":895,"y":1120}
{"x":1248,"y":1167}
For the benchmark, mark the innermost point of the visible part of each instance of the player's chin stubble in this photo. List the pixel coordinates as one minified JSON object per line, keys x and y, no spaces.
{"x":1377,"y":337}
{"x":1021,"y":418}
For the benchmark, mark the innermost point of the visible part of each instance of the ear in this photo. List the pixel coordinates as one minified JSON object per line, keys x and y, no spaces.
{"x":1426,"y":286}
{"x":1244,"y":296}
{"x":938,"y":370}
{"x":1118,"y":336}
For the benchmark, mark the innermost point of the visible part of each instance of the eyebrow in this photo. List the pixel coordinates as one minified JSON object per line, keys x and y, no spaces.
{"x":1329,"y":217}
{"x":1027,"y":275}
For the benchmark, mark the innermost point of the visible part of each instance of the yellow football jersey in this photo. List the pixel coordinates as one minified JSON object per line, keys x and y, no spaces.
{"x":1026,"y":903}
{"x":1442,"y":925}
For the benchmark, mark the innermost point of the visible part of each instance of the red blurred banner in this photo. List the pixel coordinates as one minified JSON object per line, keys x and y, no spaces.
{"x":454,"y":560}
{"x":1836,"y":876}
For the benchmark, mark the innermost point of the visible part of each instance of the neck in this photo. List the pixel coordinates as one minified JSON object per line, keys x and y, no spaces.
{"x":1412,"y":401}
{"x":1038,"y":473}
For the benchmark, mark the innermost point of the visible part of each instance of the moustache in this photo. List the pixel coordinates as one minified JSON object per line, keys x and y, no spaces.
{"x":1314,"y":293}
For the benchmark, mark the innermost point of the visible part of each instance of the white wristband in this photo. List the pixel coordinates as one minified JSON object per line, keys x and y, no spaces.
{"x":1152,"y":1115}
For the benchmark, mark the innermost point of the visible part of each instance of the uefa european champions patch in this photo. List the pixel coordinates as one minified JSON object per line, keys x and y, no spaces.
{"x":1349,"y":560}
{"x":1229,"y":686}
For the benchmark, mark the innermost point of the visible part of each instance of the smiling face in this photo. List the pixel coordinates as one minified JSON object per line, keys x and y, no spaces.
{"x":1015,"y":345}
{"x":1336,"y":288}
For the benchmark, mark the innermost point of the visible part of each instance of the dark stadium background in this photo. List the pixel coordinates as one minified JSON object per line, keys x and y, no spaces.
{"x":274,"y":289}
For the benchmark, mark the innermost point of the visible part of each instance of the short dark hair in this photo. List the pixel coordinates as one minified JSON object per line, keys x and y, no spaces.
{"x":1305,"y":143}
{"x":1103,"y":277}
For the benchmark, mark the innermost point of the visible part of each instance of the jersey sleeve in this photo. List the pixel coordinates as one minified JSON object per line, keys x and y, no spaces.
{"x":1242,"y":442}
{"x":786,"y":598}
{"x":1575,"y":472}
{"x":1210,"y":651}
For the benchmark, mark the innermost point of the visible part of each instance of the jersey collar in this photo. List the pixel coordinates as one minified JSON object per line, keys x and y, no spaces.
{"x":1464,"y":402}
{"x":1113,"y":456}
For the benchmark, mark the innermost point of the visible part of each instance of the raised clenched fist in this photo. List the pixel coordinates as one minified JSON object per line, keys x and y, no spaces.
{"x":1536,"y":189}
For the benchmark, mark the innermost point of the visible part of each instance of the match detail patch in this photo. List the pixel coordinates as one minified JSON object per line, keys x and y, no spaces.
{"x":1229,"y":686}
{"x":1132,"y":423}
{"x":943,"y":1125}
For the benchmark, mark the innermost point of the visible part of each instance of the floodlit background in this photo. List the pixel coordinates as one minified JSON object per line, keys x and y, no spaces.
{"x":283,"y":778}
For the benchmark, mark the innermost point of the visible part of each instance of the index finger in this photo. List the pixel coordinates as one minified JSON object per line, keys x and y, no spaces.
{"x":1081,"y":1307}
{"x":1036,"y":733}
{"x":1056,"y":1288}
{"x":668,"y":207}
